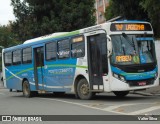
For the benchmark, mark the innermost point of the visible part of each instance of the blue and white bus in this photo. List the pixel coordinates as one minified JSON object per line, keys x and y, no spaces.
{"x":113,"y":57}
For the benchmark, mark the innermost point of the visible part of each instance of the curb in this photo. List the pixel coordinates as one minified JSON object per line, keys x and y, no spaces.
{"x":146,"y":94}
{"x":142,"y":93}
{"x":2,"y":88}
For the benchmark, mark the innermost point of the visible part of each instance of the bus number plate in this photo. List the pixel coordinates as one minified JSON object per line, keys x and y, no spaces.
{"x":143,"y":83}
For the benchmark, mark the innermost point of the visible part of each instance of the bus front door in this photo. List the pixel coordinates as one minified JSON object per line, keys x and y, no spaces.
{"x":39,"y":67}
{"x":97,"y":60}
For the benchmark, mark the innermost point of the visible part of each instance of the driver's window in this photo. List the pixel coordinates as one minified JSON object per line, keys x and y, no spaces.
{"x":145,"y":52}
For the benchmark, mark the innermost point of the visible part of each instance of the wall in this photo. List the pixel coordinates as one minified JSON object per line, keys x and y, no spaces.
{"x":157,"y":44}
{"x":1,"y":83}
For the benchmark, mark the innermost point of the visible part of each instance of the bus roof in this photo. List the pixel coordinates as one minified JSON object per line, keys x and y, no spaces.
{"x":39,"y":40}
{"x":130,"y":21}
{"x":60,"y":35}
{"x":45,"y":37}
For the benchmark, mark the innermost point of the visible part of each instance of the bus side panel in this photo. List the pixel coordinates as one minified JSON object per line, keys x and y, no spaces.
{"x":59,"y":75}
{"x":13,"y":80}
{"x":16,"y":74}
{"x":28,"y":73}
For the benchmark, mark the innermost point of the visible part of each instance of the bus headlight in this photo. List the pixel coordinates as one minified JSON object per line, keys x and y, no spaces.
{"x":120,"y":77}
{"x":155,"y":75}
{"x":115,"y":75}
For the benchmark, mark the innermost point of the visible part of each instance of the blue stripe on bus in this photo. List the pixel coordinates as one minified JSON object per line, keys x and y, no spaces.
{"x":145,"y":38}
{"x":134,"y":76}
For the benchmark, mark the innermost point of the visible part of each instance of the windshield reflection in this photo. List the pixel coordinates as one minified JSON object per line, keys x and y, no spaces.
{"x":131,"y":49}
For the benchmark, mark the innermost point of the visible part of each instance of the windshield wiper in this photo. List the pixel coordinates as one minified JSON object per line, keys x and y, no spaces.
{"x":122,"y":47}
{"x":131,"y":42}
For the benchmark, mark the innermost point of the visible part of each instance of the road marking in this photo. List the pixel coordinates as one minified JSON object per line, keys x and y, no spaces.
{"x":111,"y":108}
{"x":2,"y":94}
{"x":74,"y":103}
{"x":144,"y":110}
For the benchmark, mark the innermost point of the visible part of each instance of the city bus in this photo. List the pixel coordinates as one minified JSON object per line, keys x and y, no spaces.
{"x":116,"y":57}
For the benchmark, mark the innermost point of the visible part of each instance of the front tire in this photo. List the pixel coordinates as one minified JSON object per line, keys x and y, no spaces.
{"x":26,"y":89}
{"x":121,"y":94}
{"x":83,"y":90}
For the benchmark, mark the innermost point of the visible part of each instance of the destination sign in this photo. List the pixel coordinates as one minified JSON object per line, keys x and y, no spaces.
{"x":130,"y":27}
{"x":77,"y":39}
{"x":126,"y":58}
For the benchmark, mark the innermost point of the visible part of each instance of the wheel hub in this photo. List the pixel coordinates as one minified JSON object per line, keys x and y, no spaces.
{"x":25,"y":89}
{"x":84,"y":89}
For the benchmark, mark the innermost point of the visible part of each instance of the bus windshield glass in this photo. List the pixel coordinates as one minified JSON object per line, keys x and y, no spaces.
{"x":132,"y":49}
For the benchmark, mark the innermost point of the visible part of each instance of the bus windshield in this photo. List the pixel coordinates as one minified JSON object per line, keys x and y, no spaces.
{"x":132,"y":49}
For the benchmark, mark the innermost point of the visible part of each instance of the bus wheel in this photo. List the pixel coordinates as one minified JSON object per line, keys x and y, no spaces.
{"x":26,"y":89}
{"x":83,"y":90}
{"x":121,"y":93}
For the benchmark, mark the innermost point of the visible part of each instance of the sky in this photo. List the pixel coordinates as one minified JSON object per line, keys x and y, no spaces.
{"x":6,"y":12}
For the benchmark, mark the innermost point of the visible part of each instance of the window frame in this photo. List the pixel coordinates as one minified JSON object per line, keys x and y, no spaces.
{"x":52,"y":59}
{"x":10,"y":58}
{"x":75,"y":43}
{"x":64,"y":40}
{"x":28,"y":61}
{"x":17,"y":62}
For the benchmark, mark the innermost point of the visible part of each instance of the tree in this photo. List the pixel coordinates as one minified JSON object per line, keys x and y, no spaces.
{"x":147,"y":10}
{"x":129,"y":9}
{"x":152,"y":7}
{"x":40,"y":17}
{"x":7,"y":39}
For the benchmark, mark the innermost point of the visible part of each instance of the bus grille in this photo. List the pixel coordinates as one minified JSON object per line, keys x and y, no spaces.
{"x":141,"y":82}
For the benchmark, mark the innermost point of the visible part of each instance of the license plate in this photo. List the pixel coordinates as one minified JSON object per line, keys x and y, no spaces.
{"x":143,"y":83}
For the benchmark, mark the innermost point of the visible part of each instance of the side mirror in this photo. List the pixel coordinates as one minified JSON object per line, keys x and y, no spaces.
{"x":109,"y":45}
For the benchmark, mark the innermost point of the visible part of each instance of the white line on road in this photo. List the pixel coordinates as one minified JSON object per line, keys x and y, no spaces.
{"x":144,"y":110}
{"x":111,"y":108}
{"x":2,"y":94}
{"x":74,"y":103}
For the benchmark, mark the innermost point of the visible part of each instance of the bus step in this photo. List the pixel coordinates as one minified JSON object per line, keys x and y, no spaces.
{"x":96,"y":90}
{"x":41,"y":91}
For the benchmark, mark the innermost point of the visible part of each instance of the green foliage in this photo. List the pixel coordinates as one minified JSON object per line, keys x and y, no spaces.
{"x":152,"y":7}
{"x":129,"y":9}
{"x":40,"y":17}
{"x":7,"y":38}
{"x":148,"y":10}
{"x":111,"y":12}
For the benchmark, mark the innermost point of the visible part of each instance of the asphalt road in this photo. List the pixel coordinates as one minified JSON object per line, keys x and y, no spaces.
{"x":13,"y":103}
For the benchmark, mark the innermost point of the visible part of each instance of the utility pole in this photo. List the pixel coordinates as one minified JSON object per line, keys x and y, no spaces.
{"x":2,"y":47}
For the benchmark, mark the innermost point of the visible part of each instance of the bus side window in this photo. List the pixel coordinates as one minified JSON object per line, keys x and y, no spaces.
{"x":51,"y":51}
{"x":27,"y":55}
{"x":16,"y":57}
{"x":78,"y":47}
{"x":63,"y":49}
{"x":8,"y":58}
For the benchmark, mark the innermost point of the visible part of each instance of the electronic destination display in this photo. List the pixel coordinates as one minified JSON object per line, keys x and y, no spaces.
{"x":130,"y":27}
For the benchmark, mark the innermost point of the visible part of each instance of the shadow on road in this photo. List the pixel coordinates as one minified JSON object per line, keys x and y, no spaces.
{"x":108,"y":97}
{"x":98,"y":97}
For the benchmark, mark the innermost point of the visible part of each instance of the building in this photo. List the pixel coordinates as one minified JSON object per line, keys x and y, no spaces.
{"x":100,"y":6}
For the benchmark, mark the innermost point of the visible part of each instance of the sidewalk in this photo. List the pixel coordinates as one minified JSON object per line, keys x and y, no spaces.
{"x":149,"y":92}
{"x":1,"y":84}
